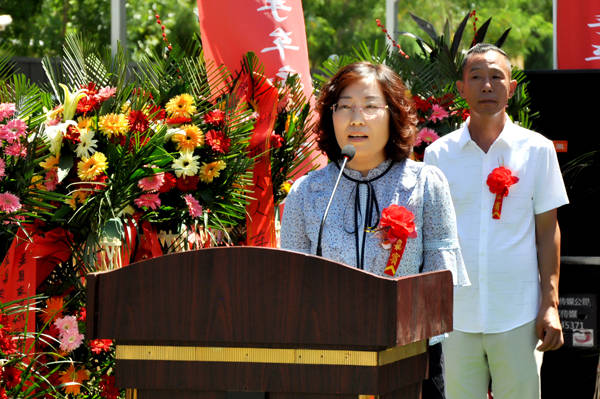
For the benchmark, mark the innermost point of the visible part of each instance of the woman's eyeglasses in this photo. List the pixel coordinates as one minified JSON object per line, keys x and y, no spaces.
{"x":367,"y":110}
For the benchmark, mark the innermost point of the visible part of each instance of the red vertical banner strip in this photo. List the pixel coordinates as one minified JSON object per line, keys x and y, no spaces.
{"x":578,"y":34}
{"x":260,"y":218}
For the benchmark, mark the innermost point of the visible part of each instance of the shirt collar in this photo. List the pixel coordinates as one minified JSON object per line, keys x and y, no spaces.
{"x":506,"y":135}
{"x":376,"y":171}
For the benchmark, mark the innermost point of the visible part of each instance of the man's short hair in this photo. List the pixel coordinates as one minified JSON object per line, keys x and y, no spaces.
{"x":482,"y":48}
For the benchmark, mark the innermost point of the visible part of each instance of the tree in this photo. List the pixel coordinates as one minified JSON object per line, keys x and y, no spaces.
{"x":52,"y":20}
{"x":333,"y":27}
{"x":530,"y":40}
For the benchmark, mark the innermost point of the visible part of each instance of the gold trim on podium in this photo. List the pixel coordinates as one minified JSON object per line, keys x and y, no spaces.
{"x":270,"y":355}
{"x":131,"y":393}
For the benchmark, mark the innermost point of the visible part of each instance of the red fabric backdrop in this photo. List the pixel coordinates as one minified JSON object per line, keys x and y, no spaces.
{"x":578,"y":34}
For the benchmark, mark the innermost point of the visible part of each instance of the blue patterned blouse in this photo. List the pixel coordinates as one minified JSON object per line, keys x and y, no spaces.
{"x":420,"y":188}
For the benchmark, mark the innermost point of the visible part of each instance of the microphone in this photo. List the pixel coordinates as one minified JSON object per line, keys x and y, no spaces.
{"x":348,"y":153}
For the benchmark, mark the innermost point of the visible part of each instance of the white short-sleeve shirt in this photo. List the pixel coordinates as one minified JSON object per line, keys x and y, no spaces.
{"x":500,"y":255}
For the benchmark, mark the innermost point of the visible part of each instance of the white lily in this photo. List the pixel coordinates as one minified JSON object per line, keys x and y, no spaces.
{"x":54,"y":135}
{"x":70,"y":101}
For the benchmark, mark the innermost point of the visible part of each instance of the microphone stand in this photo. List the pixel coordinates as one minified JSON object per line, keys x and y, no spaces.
{"x":348,"y":153}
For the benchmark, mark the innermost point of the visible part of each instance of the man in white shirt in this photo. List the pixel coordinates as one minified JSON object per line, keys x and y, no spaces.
{"x":513,"y":261}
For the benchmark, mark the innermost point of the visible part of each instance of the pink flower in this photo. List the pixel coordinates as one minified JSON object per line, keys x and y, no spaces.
{"x":16,"y":149}
{"x":71,"y":340}
{"x":14,"y":129}
{"x":148,"y":200}
{"x":2,"y":168}
{"x":9,"y":202}
{"x":152,"y":183}
{"x":193,"y":205}
{"x":6,"y":110}
{"x":105,"y":93}
{"x":426,"y":136}
{"x":51,"y":179}
{"x":437,"y":113}
{"x":66,"y":325}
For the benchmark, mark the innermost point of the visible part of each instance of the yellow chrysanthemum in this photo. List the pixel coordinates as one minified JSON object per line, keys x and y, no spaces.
{"x":77,"y":198}
{"x":181,"y":106}
{"x":113,"y":124}
{"x":210,"y":171}
{"x":84,"y":123}
{"x":189,"y":138}
{"x":90,"y":168}
{"x":51,"y":162}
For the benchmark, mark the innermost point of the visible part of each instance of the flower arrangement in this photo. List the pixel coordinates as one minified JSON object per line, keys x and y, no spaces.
{"x":437,"y":116}
{"x":22,"y":195}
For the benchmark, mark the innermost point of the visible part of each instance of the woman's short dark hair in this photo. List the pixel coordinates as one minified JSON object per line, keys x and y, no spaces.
{"x":403,"y":118}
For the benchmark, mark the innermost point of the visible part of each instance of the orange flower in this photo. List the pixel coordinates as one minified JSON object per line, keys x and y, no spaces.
{"x":191,"y":138}
{"x":50,"y":163}
{"x":181,"y":106}
{"x":75,"y":377}
{"x":77,"y":198}
{"x":54,"y":307}
{"x":84,"y":123}
{"x":90,"y":168}
{"x":209,"y":171}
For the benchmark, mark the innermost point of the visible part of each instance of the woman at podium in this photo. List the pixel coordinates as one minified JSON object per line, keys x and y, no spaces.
{"x":389,"y":214}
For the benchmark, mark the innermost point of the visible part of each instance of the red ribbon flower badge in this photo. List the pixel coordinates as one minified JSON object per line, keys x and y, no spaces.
{"x":499,"y":181}
{"x":396,"y":226}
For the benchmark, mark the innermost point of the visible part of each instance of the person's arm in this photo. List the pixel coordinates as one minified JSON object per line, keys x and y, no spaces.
{"x":293,"y":224}
{"x":547,"y":235}
{"x":441,"y":248}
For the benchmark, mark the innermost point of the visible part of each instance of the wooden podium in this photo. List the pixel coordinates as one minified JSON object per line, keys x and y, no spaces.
{"x":204,"y":323}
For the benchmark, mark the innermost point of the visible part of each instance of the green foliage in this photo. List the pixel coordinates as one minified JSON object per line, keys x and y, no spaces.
{"x":335,"y":26}
{"x":530,"y":21}
{"x":54,"y":20}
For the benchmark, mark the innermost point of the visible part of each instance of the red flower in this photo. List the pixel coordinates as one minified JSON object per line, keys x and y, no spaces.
{"x":72,"y":134}
{"x":90,"y":89}
{"x":500,"y":180}
{"x":169,"y":183}
{"x":398,"y":222}
{"x":87,"y":104}
{"x":7,"y":344}
{"x":138,"y":122}
{"x":218,"y":141}
{"x":12,"y":377}
{"x":82,"y":316}
{"x":108,"y":388}
{"x":98,"y":346}
{"x":156,"y":113}
{"x":215,"y":117}
{"x":276,"y":140}
{"x":421,"y":104}
{"x":3,"y":394}
{"x":178,"y":120}
{"x":188,"y":183}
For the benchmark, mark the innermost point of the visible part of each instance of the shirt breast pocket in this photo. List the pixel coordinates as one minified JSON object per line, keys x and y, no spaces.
{"x":516,"y":208}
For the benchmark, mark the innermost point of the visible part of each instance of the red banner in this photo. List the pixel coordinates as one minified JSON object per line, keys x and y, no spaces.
{"x":274,"y":31}
{"x":577,"y":30}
